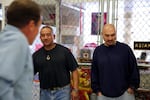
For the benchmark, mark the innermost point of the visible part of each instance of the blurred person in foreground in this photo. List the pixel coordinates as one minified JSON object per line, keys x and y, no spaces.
{"x":114,"y":72}
{"x":16,"y":66}
{"x":54,"y":63}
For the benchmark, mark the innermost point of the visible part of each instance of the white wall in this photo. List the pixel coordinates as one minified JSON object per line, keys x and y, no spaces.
{"x":79,"y":1}
{"x":4,"y":4}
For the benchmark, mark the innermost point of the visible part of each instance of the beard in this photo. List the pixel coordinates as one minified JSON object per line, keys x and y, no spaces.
{"x":110,"y":43}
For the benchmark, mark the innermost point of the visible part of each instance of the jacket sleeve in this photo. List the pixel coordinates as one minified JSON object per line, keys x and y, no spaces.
{"x":134,"y":76}
{"x":12,"y":61}
{"x":94,"y":75}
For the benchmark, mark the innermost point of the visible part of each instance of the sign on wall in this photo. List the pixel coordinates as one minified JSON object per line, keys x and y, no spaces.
{"x":142,"y":45}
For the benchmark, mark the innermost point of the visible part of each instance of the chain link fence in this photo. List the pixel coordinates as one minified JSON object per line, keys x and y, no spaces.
{"x":78,"y":23}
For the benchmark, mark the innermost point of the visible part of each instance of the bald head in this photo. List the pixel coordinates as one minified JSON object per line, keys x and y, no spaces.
{"x":109,"y":34}
{"x":108,"y":27}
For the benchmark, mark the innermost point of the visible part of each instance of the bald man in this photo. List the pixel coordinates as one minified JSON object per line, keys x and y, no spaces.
{"x":114,"y":72}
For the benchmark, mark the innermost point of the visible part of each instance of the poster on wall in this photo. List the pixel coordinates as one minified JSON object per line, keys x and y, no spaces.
{"x":96,"y":21}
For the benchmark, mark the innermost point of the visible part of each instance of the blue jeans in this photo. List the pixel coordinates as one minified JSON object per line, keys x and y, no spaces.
{"x":60,"y":94}
{"x":125,"y":96}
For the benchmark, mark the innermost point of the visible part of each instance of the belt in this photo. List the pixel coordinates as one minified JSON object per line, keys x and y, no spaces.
{"x":57,"y":88}
{"x":54,"y":88}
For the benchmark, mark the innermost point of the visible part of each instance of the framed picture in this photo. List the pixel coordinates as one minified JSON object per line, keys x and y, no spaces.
{"x":96,"y":21}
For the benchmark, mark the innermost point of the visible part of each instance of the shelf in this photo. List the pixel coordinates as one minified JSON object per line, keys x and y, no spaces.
{"x":84,"y":64}
{"x":144,"y":65}
{"x":143,"y":90}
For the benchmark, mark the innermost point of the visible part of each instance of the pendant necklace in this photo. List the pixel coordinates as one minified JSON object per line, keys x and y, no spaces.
{"x":48,"y":57}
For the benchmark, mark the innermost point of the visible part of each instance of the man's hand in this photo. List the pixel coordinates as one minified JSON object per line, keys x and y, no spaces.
{"x":130,"y":91}
{"x":99,"y":94}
